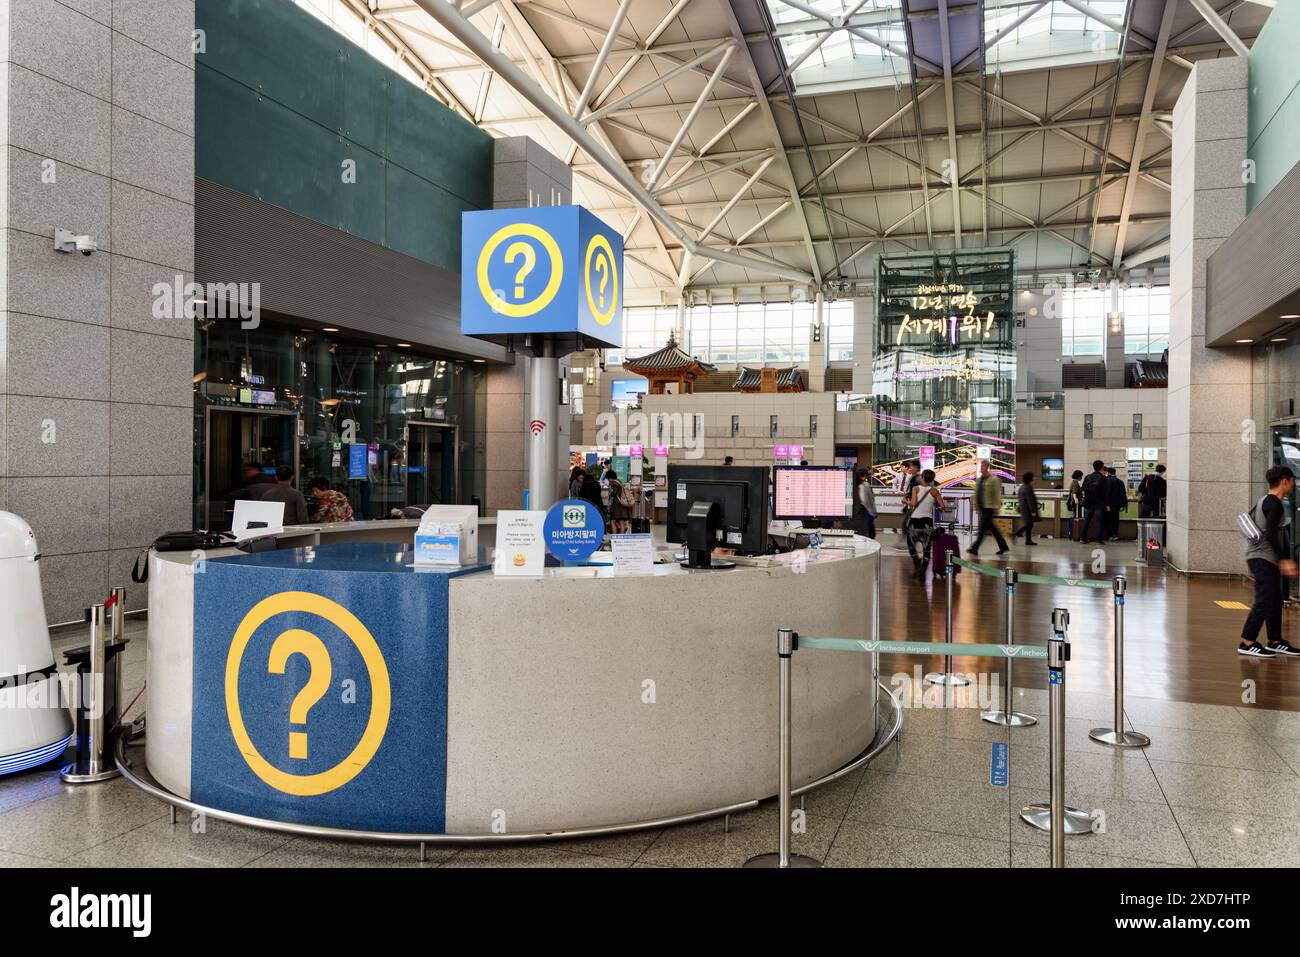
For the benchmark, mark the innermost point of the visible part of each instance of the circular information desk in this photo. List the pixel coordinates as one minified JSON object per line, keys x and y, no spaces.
{"x":338,"y":686}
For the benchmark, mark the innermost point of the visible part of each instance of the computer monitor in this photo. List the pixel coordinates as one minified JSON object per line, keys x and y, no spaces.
{"x":813,"y":492}
{"x":254,"y":518}
{"x":738,"y":519}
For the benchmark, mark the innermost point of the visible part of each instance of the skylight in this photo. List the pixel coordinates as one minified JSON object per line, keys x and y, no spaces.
{"x":829,"y":53}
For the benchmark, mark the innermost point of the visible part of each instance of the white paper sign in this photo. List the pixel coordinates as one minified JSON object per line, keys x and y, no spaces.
{"x":521,"y":549}
{"x":633,"y":554}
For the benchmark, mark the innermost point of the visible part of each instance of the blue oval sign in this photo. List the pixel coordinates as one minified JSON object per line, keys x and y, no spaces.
{"x":573,"y":530}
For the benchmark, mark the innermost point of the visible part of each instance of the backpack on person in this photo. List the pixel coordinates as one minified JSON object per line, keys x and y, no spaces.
{"x":625,"y":496}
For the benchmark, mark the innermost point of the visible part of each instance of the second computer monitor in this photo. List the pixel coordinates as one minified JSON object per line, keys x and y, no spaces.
{"x":812,"y":492}
{"x":741,"y":493}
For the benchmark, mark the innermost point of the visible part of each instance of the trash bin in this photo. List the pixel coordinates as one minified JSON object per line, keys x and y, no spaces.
{"x":1151,"y":541}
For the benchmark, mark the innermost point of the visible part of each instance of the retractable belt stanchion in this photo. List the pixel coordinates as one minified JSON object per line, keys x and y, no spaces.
{"x":1056,"y":817}
{"x":786,"y":644}
{"x":1007,"y":717}
{"x":94,"y":758}
{"x":948,"y":677}
{"x":1115,"y":735}
{"x":1058,"y":653}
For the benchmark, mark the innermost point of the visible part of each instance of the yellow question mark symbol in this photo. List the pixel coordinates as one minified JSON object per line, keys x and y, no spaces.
{"x":299,"y":642}
{"x":513,"y":252}
{"x":602,"y":267}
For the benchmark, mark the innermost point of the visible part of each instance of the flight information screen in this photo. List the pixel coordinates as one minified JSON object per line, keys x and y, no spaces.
{"x":813,"y":492}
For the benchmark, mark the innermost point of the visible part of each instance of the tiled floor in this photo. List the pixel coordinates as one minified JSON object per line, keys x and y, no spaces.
{"x":1219,"y":786}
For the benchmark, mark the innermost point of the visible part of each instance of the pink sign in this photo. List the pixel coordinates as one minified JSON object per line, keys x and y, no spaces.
{"x":634,"y":451}
{"x":661,"y":450}
{"x":927,"y":457}
{"x":796,"y":451}
{"x":780,"y":452}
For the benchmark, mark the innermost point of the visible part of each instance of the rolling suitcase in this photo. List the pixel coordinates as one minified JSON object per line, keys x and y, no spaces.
{"x":944,"y":542}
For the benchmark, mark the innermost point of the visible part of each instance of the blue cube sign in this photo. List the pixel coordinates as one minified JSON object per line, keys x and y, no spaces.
{"x":538,"y":270}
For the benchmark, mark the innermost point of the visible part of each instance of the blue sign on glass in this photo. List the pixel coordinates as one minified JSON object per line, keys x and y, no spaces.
{"x":573,"y":530}
{"x":998,"y":766}
{"x":357,"y":461}
{"x":541,"y":269}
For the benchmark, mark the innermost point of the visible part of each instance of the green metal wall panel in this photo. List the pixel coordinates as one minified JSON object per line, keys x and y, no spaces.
{"x":439,"y":146}
{"x":282,"y":101}
{"x":1274,"y":137}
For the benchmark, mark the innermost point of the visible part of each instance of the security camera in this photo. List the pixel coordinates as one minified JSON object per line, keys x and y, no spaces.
{"x":66,"y":242}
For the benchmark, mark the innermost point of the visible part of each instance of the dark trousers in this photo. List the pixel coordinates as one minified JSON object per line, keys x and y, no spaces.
{"x":987,"y":527}
{"x":1027,"y":529}
{"x":1099,"y":512}
{"x":1267,"y":610}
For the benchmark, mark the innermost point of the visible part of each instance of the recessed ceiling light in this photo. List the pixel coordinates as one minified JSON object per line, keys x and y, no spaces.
{"x":1291,"y":316}
{"x":330,"y":329}
{"x":403,"y":345}
{"x":1283,"y":339}
{"x":480,"y":360}
{"x":1244,"y":342}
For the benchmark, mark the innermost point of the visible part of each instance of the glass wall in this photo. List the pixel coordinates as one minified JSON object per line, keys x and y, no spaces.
{"x":1275,"y":413}
{"x":344,"y":409}
{"x":1085,"y":312}
{"x":774,"y":333}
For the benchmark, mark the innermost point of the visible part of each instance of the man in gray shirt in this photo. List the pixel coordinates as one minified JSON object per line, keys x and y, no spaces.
{"x":1267,"y":559}
{"x":295,"y":506}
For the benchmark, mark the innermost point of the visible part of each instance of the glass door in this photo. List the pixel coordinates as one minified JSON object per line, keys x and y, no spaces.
{"x":239,"y":437}
{"x":431,"y":467}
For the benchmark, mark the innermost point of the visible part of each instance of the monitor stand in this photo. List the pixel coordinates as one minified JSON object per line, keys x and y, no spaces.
{"x":701,"y":525}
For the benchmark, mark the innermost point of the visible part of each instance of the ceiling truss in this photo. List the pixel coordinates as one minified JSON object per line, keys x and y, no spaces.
{"x":689,"y":127}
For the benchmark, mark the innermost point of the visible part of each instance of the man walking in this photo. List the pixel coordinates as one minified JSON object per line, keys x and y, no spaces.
{"x":908,"y":479}
{"x":1094,"y":502}
{"x":1264,"y":555}
{"x":988,"y":499}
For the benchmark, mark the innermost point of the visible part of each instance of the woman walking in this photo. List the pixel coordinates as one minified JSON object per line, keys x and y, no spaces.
{"x":925,"y":502}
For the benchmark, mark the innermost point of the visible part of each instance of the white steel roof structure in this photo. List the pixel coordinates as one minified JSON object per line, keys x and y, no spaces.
{"x":744,"y":144}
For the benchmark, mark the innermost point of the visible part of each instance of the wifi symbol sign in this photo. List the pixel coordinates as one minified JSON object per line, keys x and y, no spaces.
{"x":536,"y":426}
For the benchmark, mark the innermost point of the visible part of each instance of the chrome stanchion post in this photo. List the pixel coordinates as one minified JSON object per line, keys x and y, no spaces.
{"x":948,"y":677}
{"x":89,"y":766}
{"x":1058,"y":653}
{"x":1115,"y":735}
{"x":875,"y":656}
{"x":786,"y":643}
{"x":1006,"y":717}
{"x":1056,"y":817}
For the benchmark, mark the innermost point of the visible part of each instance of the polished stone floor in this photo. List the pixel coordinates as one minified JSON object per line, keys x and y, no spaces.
{"x":1219,"y":785}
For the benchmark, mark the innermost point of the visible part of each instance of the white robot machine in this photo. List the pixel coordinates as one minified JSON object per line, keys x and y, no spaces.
{"x":35,"y":726}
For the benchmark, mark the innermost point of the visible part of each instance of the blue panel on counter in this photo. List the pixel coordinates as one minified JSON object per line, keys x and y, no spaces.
{"x":320,"y":687}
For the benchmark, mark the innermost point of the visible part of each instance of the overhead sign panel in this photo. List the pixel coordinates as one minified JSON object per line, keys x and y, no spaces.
{"x":544,"y":269}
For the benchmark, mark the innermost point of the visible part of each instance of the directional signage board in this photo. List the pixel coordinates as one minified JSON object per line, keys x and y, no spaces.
{"x":544,"y":269}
